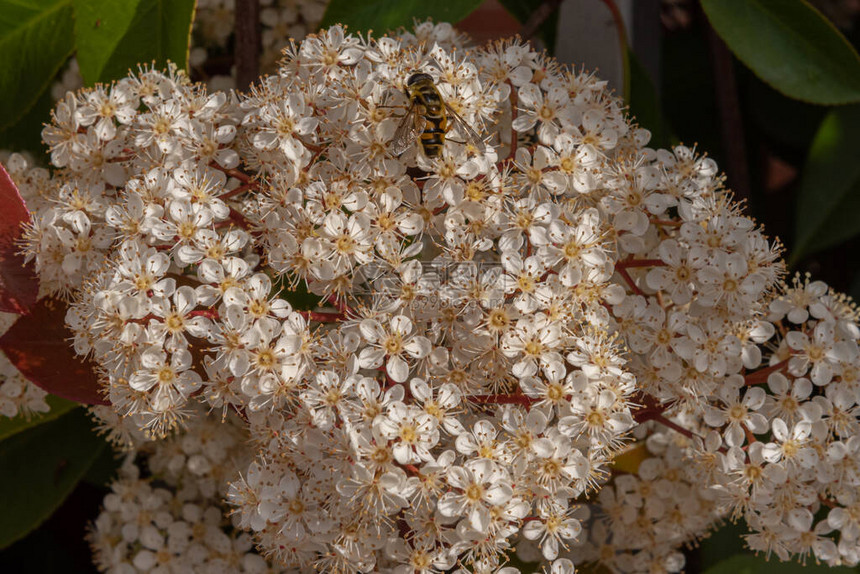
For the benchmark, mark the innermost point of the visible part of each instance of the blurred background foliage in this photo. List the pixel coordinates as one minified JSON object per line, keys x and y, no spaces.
{"x":768,"y":88}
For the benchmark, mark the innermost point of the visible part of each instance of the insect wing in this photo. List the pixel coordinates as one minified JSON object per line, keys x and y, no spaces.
{"x":472,"y":137}
{"x":407,"y":132}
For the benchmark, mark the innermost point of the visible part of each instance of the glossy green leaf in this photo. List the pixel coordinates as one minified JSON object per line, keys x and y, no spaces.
{"x":384,"y":15}
{"x":787,"y":123}
{"x":791,"y":46}
{"x":113,"y":37}
{"x":104,"y":469}
{"x":725,"y":552}
{"x":829,"y":198}
{"x":35,"y":40}
{"x":41,"y":466}
{"x":645,"y":106}
{"x":25,"y":134}
{"x":59,"y":407}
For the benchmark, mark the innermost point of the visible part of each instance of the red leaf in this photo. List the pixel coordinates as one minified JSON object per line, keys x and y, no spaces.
{"x":39,"y":345}
{"x":19,"y":286}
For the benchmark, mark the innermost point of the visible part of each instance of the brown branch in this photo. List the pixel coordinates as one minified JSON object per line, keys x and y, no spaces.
{"x":247,"y":49}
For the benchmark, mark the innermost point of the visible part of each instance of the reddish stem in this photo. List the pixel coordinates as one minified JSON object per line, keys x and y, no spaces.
{"x":626,"y":263}
{"x":750,"y":436}
{"x":515,"y":99}
{"x":240,"y":175}
{"x":208,"y":313}
{"x":672,"y":425}
{"x":322,"y":317}
{"x":503,"y":399}
{"x":626,"y":276}
{"x":240,"y":220}
{"x":341,"y":305}
{"x":651,"y":408}
{"x":411,"y":468}
{"x":252,"y":185}
{"x":760,"y":376}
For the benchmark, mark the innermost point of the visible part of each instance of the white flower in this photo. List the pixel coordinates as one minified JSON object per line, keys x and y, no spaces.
{"x":739,"y":414}
{"x":166,"y":377}
{"x":416,"y":432}
{"x":791,"y":444}
{"x":553,"y":524}
{"x":534,"y":341}
{"x":479,"y":484}
{"x":282,"y":125}
{"x":548,"y":110}
{"x":389,"y":345}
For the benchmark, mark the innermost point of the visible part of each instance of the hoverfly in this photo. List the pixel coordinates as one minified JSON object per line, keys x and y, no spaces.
{"x":428,"y":119}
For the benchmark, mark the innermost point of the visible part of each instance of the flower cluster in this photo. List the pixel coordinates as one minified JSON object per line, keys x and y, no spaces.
{"x":213,"y":29}
{"x":172,"y":520}
{"x":445,"y":358}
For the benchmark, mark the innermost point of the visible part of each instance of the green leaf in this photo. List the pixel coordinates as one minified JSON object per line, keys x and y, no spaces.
{"x":828,"y":204}
{"x":113,"y":37}
{"x":749,"y":564}
{"x":35,"y":40}
{"x":59,"y":406}
{"x":645,"y":106}
{"x":791,"y":46}
{"x":104,"y":469}
{"x":26,"y":133}
{"x":41,"y":466}
{"x":385,"y":15}
{"x":788,"y":123}
{"x":724,"y":552}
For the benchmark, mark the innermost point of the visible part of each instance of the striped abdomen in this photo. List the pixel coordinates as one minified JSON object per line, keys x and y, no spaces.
{"x":436,"y":120}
